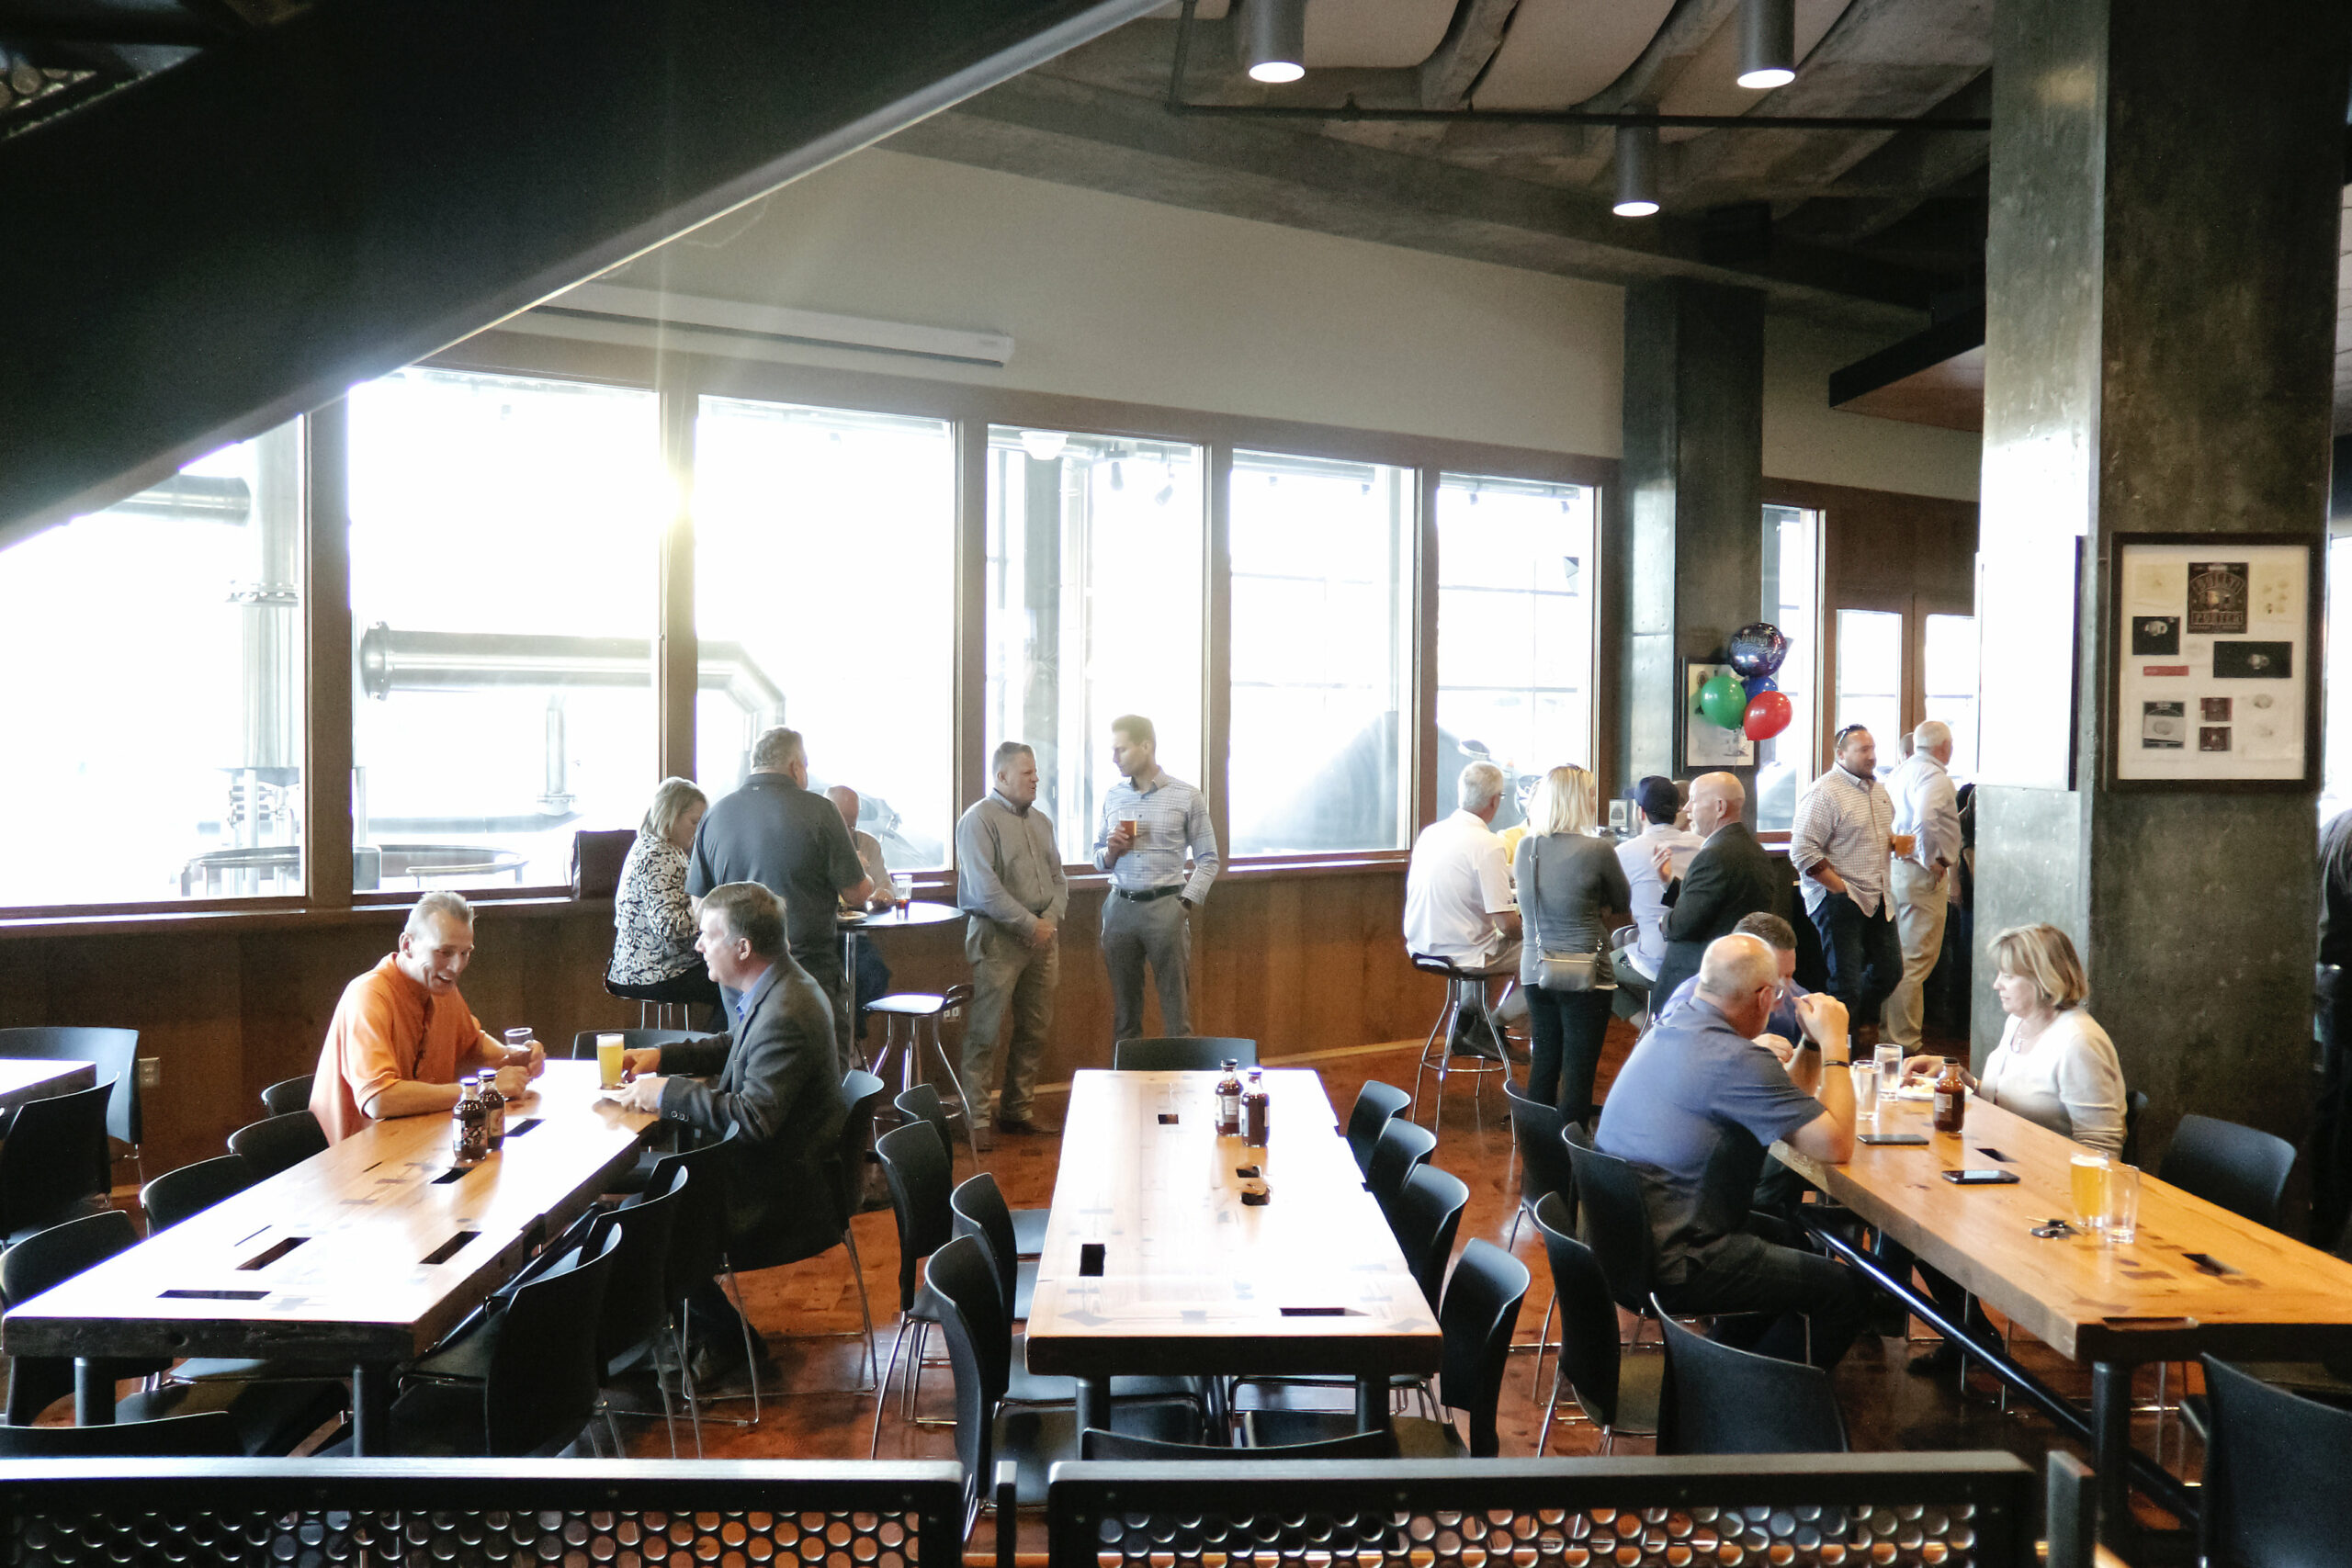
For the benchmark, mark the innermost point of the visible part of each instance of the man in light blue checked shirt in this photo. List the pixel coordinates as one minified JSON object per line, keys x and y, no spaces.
{"x":1150,"y":822}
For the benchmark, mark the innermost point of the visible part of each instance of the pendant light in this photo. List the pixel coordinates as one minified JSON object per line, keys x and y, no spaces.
{"x":1768,"y":43}
{"x":1274,"y":39}
{"x":1637,"y":171}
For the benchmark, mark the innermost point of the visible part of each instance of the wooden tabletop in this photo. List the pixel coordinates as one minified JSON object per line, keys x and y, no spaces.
{"x":370,"y":1251}
{"x":1194,"y":1279}
{"x":2145,"y":1299}
{"x":22,"y":1079}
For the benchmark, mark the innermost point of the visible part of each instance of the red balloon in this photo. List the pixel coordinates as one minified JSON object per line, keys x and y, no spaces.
{"x":1768,"y":713}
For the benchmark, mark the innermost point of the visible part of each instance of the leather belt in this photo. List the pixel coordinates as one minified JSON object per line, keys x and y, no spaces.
{"x":1148,"y":894}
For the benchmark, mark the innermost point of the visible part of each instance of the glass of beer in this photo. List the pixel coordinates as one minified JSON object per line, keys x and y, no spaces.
{"x":519,"y":1040}
{"x":608,"y":1061}
{"x":2088,"y":1172}
{"x":2122,"y":1207}
{"x":1133,"y":828}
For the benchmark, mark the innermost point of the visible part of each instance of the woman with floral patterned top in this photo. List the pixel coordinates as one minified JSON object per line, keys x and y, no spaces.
{"x":655,"y":928}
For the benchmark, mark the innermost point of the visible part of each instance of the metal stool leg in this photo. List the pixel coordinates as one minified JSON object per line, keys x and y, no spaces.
{"x":971,"y":1136}
{"x":1444,"y":1022}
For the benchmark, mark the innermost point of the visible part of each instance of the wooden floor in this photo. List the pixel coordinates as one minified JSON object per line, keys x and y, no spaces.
{"x":822,"y":1415}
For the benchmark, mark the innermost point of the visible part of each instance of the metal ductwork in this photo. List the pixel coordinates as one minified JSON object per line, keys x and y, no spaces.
{"x":468,"y":661}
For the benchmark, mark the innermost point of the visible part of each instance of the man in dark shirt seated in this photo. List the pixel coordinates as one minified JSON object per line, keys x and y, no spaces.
{"x":771,"y":1080}
{"x":1694,"y":1109}
{"x":1781,"y":1030}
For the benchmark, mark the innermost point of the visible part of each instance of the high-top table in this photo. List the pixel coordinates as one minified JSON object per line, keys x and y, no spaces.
{"x":368,"y":1253}
{"x":2194,"y":1279}
{"x":1193,"y":1281}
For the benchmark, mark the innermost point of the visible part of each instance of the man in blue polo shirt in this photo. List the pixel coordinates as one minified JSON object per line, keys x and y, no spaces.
{"x":1693,"y":1109}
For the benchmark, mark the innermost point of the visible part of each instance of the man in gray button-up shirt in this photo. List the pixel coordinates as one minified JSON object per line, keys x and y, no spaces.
{"x":1009,"y":877}
{"x":1150,"y":822}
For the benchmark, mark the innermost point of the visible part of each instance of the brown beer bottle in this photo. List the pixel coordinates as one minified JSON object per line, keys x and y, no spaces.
{"x":469,"y":1126}
{"x":1228,"y":1101}
{"x":1256,"y":1112}
{"x":1952,"y":1098}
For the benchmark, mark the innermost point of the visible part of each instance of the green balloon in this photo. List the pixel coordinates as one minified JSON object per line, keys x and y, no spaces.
{"x":1724,"y":701}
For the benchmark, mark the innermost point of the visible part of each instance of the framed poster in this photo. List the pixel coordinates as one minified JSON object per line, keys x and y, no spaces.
{"x":1706,"y":744}
{"x":2214,"y":643}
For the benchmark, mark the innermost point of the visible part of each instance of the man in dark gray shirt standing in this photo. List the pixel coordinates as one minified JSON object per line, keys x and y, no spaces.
{"x":776,"y":832}
{"x":1009,"y":877}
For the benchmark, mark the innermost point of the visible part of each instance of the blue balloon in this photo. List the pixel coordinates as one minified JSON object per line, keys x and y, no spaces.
{"x":1758,"y":684}
{"x":1756,"y":650}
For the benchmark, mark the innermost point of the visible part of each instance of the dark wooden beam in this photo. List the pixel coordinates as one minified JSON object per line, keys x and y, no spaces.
{"x":238,"y":240}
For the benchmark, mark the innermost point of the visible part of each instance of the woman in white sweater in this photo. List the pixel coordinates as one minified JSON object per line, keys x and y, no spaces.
{"x":2054,"y":1066}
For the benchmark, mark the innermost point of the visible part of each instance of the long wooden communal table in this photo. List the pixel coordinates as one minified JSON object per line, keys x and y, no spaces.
{"x":2255,"y":1294}
{"x":1193,"y":1281}
{"x":368,"y":1253}
{"x":23,"y":1079}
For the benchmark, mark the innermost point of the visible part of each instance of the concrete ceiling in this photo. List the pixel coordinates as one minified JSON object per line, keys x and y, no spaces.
{"x":1862,"y":227}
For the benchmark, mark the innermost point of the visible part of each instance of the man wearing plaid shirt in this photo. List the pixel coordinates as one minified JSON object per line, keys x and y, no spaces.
{"x":1146,"y":920}
{"x":1840,"y":848}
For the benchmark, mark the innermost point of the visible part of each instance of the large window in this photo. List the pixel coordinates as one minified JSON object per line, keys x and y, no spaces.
{"x":825,"y":599}
{"x":1792,"y":565}
{"x":1321,"y":646}
{"x":1093,"y":609}
{"x":1514,"y":631}
{"x":503,"y":552}
{"x":1869,"y":680}
{"x":1948,"y":666}
{"x":155,"y":712}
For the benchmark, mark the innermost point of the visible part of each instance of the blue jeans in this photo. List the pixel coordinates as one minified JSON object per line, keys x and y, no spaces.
{"x":1863,"y":954}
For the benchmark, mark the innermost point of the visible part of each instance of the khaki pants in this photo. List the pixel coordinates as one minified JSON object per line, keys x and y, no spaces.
{"x":1154,"y":933}
{"x":1007,"y":974}
{"x":1921,"y":902}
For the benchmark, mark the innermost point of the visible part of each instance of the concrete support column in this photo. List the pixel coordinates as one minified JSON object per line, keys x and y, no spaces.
{"x":1689,"y":557}
{"x":2160,"y":291}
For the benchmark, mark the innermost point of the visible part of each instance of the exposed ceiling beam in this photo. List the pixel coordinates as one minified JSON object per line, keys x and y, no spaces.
{"x":238,"y":240}
{"x":1050,"y":128}
{"x":1455,"y":67}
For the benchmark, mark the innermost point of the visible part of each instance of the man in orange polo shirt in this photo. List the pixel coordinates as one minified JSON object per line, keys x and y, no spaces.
{"x":402,"y":1036}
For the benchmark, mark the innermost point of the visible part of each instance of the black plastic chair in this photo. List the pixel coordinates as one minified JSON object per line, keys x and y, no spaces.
{"x":1614,"y":1221}
{"x":1424,"y":1219}
{"x":540,"y":1382}
{"x":1401,"y":1146}
{"x":635,"y":1322}
{"x":584,"y":1045}
{"x":211,"y":1433}
{"x":2274,"y":1488}
{"x":1182,"y":1053}
{"x":1480,"y":1309}
{"x":1722,"y":1401}
{"x":961,"y":1294}
{"x":1094,"y":1443}
{"x":42,"y":1262}
{"x":289,"y":1095}
{"x":192,"y":1188}
{"x":1376,"y":1105}
{"x":113,"y":1051}
{"x":278,"y":1143}
{"x":54,"y":1165}
{"x":915,"y":1164}
{"x":2135,"y":1107}
{"x":697,"y":1251}
{"x":2239,"y":1168}
{"x":1616,"y":1394}
{"x":863,"y":1091}
{"x":923,"y":1103}
{"x":1535,"y":1129}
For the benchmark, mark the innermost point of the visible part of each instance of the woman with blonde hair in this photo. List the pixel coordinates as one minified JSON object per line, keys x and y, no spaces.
{"x":1571,"y":892}
{"x":2056,"y":1065}
{"x":654,"y":957}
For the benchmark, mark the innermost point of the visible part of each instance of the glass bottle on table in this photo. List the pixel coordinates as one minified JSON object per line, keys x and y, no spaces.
{"x":1228,"y":1101}
{"x":493,"y":1106}
{"x":1257,"y":1109}
{"x":1952,"y":1099}
{"x":469,"y":1126}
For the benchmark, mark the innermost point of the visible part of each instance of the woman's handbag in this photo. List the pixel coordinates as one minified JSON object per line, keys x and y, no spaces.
{"x":1561,"y":970}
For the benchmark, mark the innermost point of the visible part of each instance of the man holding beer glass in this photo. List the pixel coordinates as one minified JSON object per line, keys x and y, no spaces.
{"x":1150,"y":822}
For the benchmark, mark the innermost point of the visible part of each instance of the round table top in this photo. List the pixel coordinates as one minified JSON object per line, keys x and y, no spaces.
{"x":921,"y":912}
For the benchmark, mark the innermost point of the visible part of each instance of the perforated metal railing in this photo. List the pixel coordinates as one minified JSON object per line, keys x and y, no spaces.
{"x":1886,"y":1511}
{"x":435,"y":1515}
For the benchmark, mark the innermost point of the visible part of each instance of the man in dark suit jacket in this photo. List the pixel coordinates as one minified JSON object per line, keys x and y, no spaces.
{"x":1730,"y":878}
{"x":771,"y":1082}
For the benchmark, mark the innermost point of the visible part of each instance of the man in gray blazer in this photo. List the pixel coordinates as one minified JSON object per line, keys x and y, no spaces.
{"x":771,"y":1080}
{"x":1729,"y":879}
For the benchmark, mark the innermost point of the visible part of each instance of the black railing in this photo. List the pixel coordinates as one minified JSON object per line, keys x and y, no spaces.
{"x":1891,"y":1510}
{"x":432,"y":1514}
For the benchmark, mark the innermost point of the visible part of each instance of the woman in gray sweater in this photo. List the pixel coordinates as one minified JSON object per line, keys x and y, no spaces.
{"x":1572,"y":893}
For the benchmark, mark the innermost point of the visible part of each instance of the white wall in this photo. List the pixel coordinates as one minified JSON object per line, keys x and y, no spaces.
{"x":1108,"y":297}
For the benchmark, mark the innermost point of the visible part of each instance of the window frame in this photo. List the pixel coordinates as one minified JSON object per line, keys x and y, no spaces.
{"x":681,"y":379}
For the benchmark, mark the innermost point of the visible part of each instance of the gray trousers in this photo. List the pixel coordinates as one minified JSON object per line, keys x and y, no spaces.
{"x":1155,"y":933}
{"x":1008,"y":975}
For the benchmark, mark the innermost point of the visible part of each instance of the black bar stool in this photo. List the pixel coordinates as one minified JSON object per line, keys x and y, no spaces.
{"x":1438,"y":1054}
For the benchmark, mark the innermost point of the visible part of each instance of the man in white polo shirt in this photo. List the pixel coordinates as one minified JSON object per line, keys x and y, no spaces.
{"x":1459,"y":905}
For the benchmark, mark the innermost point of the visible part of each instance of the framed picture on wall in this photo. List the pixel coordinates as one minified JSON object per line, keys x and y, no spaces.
{"x":2213,"y":656}
{"x":1706,"y":744}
